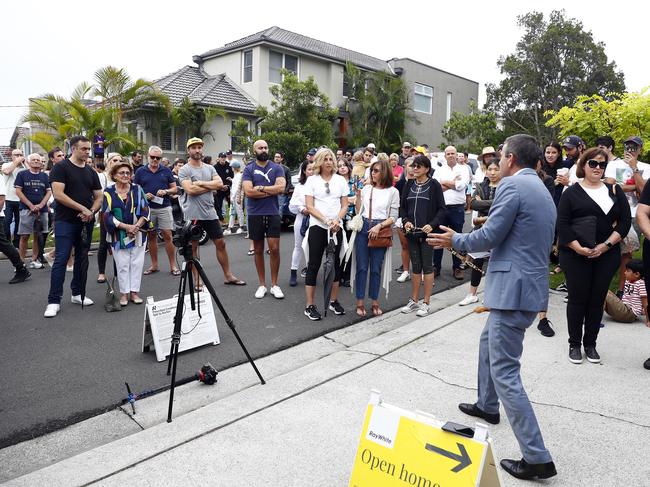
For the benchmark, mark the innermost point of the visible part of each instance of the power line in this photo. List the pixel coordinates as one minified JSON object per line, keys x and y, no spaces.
{"x":14,"y":106}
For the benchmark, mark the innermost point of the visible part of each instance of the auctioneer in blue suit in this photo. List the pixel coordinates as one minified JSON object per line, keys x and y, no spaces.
{"x":519,"y":231}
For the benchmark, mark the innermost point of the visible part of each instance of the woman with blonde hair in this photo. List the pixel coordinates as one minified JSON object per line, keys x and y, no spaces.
{"x":378,"y":203}
{"x":326,"y":200}
{"x":358,"y":165}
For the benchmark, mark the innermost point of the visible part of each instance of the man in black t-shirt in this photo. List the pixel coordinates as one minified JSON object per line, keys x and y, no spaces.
{"x":226,"y":174}
{"x":78,"y":194}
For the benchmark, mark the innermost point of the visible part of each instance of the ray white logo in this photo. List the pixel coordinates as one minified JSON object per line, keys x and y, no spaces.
{"x":382,"y":427}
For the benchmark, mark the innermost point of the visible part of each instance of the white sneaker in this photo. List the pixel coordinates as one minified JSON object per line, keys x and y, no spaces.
{"x":404,"y":276}
{"x":239,"y":231}
{"x":410,"y":307}
{"x":276,"y":292}
{"x":52,"y":310}
{"x":424,"y":310}
{"x":227,"y":231}
{"x":77,"y":300}
{"x":469,"y":299}
{"x":35,"y":265}
{"x":261,"y":291}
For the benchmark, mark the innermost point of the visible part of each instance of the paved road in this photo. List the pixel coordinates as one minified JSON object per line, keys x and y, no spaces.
{"x":58,"y":371}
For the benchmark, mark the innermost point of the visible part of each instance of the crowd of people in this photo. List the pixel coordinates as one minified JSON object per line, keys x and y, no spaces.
{"x":348,"y":205}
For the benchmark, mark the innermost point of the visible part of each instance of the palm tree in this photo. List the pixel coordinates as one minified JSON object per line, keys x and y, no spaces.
{"x":114,"y":94}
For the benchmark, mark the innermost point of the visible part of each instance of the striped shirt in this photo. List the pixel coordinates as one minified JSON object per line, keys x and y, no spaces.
{"x":632,"y":295}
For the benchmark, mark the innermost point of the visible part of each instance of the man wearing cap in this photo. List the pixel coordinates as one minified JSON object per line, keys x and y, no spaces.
{"x":406,"y":153}
{"x":263,"y":181}
{"x":573,"y":148}
{"x":453,"y":178}
{"x":226,"y":174}
{"x":158,"y":183}
{"x":631,"y":174}
{"x":198,"y":181}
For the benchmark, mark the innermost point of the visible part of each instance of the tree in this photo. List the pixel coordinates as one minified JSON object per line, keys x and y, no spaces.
{"x":617,"y":115}
{"x":92,"y":107}
{"x":478,"y":127}
{"x":300,"y":117}
{"x":554,"y":62}
{"x":378,"y":105}
{"x":194,"y":118}
{"x":242,"y":136}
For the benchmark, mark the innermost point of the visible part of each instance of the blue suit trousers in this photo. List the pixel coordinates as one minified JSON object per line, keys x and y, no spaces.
{"x":499,"y":379}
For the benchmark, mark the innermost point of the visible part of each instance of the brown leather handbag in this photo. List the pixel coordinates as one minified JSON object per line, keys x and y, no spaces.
{"x":385,"y":237}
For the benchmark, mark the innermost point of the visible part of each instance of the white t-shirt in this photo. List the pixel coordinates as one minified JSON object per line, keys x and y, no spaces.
{"x":385,"y":202}
{"x":327,"y":196}
{"x":600,"y":197}
{"x":446,"y":173}
{"x":622,"y":173}
{"x":9,"y":180}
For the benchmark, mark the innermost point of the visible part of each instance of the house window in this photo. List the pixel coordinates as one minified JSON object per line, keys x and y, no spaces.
{"x":277,"y":61}
{"x":423,"y":98}
{"x":248,"y":66}
{"x":449,"y":96}
{"x":166,"y":137}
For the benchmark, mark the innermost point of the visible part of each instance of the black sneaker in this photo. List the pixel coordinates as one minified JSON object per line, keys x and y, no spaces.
{"x":544,"y":327}
{"x":575,"y":355}
{"x":646,"y":364}
{"x":562,"y":287}
{"x":592,"y":355}
{"x":337,"y":308}
{"x":312,"y":313}
{"x":21,"y":275}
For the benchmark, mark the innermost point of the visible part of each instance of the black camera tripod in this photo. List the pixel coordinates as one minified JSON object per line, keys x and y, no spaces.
{"x":186,"y":275}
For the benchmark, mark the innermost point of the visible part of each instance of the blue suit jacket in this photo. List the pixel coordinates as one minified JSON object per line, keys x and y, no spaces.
{"x":519,"y":231}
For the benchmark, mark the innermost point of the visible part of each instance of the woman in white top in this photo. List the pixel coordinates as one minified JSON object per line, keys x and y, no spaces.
{"x":297,"y":207}
{"x":378,"y":200}
{"x":326,"y":199}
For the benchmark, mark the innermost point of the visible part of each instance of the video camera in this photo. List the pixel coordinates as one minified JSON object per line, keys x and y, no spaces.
{"x":186,"y":233}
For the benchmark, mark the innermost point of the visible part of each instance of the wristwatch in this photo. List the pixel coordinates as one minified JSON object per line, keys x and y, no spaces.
{"x":609,"y":244}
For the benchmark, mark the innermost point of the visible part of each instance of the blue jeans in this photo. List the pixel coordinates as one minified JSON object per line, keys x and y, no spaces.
{"x":67,"y":236}
{"x":367,"y":259}
{"x":12,"y":214}
{"x":455,"y":221}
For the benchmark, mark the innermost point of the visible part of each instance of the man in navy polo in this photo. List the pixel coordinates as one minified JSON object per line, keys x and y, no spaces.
{"x":158,"y":183}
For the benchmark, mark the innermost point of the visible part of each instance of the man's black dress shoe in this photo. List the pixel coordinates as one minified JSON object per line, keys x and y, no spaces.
{"x":474,"y":410}
{"x":528,"y":471}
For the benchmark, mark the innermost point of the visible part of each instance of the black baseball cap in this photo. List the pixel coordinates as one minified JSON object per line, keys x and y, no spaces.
{"x":312,"y":151}
{"x":634,"y":140}
{"x":222,"y":154}
{"x":572,"y":141}
{"x":229,"y":152}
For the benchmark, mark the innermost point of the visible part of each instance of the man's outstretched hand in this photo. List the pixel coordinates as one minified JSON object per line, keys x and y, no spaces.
{"x":441,"y":239}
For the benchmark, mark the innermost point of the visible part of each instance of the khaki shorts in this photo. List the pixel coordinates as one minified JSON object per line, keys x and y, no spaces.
{"x":162,"y":218}
{"x":28,"y":223}
{"x":618,"y":310}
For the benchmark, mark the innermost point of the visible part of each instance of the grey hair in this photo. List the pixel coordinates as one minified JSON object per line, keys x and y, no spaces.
{"x":33,"y":156}
{"x":525,"y":149}
{"x":154,"y":148}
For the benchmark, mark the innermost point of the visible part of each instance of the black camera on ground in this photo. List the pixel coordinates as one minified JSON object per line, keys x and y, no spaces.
{"x":186,"y":233}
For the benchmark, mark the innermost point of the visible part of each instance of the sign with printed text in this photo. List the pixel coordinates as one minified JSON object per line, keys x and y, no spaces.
{"x":195,"y":330}
{"x":401,"y":448}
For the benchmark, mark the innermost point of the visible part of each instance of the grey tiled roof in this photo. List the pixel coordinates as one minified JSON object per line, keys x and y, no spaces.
{"x":217,"y":91}
{"x":278,"y":36}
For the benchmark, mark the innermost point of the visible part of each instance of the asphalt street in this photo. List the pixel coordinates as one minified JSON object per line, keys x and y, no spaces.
{"x":59,"y":371}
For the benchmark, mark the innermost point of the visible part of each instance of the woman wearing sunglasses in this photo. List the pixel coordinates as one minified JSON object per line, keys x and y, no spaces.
{"x":591,"y":220}
{"x":422,"y":210}
{"x":125,"y":212}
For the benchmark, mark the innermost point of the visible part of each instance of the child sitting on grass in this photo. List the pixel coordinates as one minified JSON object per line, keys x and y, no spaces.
{"x":634,"y":302}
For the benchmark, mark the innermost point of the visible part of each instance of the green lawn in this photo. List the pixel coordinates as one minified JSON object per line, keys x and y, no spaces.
{"x":556,"y":279}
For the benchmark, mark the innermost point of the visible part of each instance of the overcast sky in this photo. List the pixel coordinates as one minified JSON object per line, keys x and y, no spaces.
{"x":52,"y":46}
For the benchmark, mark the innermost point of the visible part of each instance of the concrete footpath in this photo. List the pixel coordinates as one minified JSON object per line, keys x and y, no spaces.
{"x":302,"y":428}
